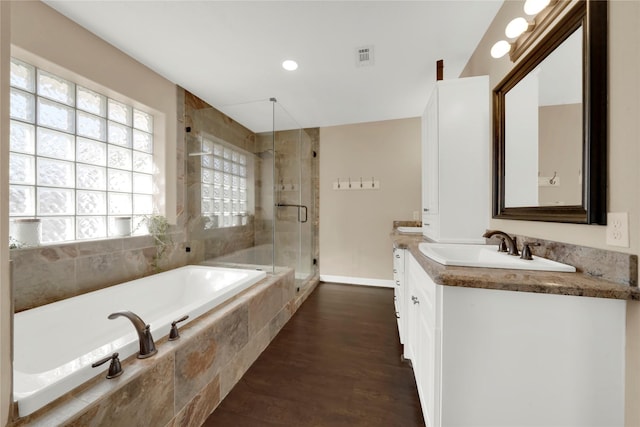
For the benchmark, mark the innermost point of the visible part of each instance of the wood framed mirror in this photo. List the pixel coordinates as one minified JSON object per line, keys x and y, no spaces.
{"x":550,"y":125}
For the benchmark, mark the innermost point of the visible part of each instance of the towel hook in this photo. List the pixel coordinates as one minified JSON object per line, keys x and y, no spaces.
{"x":373,"y":182}
{"x":553,"y":178}
{"x":338,"y":182}
{"x":349,"y":182}
{"x":360,"y":182}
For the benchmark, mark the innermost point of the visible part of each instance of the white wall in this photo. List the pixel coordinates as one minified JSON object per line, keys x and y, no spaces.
{"x":355,"y":225}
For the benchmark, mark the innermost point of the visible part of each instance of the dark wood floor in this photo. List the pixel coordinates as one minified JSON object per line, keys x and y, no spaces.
{"x":336,"y":363}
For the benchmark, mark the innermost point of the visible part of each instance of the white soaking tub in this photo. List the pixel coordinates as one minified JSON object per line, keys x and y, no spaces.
{"x":55,"y":344}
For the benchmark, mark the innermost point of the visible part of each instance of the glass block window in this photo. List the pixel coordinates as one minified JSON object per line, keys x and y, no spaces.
{"x":224,"y":184}
{"x":78,"y":158}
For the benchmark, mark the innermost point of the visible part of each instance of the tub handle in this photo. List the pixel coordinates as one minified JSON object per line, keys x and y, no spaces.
{"x":174,"y":334}
{"x":115,"y":368}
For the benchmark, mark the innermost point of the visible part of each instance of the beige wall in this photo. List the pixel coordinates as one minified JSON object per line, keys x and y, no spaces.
{"x":624,"y":156}
{"x":355,"y":225}
{"x":40,"y":33}
{"x":624,"y":133}
{"x":5,"y":285}
{"x":560,"y":151}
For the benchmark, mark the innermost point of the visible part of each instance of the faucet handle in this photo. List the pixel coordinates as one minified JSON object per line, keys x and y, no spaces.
{"x":174,"y":334}
{"x":526,"y":250}
{"x":502,"y":246}
{"x":115,"y":368}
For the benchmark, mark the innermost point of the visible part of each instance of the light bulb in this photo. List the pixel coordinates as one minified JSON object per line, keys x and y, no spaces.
{"x":532,"y":7}
{"x":516,"y":27}
{"x":500,"y":49}
{"x":290,"y":65}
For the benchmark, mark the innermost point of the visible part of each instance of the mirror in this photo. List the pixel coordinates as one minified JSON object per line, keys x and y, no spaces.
{"x":550,"y":125}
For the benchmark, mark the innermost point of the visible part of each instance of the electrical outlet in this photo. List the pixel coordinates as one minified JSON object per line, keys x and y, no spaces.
{"x":618,"y":229}
{"x":416,"y":215}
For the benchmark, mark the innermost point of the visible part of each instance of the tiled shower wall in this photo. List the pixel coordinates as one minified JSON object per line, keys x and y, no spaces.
{"x":49,"y":273}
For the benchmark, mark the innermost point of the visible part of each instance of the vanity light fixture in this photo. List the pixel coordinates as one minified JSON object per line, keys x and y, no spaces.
{"x":516,"y":27}
{"x":290,"y":65}
{"x":522,"y":32}
{"x":500,"y":49}
{"x":533,"y":7}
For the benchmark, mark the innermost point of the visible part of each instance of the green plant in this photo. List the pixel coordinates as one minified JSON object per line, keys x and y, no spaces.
{"x":15,"y":243}
{"x":158,"y":227}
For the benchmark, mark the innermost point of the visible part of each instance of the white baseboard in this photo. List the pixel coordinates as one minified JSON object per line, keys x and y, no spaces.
{"x":363,"y":281}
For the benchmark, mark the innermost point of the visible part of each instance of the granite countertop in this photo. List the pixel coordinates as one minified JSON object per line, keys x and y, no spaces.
{"x":549,"y":282}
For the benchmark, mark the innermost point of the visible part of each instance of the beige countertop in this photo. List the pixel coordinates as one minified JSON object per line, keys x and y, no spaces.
{"x":577,"y":284}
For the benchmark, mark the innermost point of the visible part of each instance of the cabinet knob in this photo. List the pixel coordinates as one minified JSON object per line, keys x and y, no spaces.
{"x":398,"y":282}
{"x":415,"y":299}
{"x":426,"y":209}
{"x":397,"y":256}
{"x":397,"y":315}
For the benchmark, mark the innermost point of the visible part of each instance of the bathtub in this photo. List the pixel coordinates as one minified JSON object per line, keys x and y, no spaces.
{"x":55,"y":344}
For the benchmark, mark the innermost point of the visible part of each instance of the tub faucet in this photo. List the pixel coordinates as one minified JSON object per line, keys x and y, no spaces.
{"x":147,"y":346}
{"x":511,"y":242}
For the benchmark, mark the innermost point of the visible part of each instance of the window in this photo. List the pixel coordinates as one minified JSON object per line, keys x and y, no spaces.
{"x":78,"y":158}
{"x":224,"y":184}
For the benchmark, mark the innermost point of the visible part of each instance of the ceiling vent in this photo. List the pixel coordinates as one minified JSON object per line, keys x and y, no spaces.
{"x":364,"y":56}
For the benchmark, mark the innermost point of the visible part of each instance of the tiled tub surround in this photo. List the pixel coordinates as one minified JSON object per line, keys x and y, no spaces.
{"x":187,"y":379}
{"x":80,"y":333}
{"x":600,"y":273}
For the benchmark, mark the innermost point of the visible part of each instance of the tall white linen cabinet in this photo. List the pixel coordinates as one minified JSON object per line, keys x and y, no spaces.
{"x":456,"y":186}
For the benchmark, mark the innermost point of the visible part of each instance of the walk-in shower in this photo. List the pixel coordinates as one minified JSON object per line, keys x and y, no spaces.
{"x":251,"y":192}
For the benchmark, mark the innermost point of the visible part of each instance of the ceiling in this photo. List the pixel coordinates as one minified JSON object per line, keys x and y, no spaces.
{"x":229,"y":53}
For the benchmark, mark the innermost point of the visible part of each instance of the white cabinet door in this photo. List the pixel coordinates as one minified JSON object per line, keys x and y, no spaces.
{"x":521,"y":358}
{"x":400,"y":291}
{"x":430,"y":163}
{"x":422,"y":304}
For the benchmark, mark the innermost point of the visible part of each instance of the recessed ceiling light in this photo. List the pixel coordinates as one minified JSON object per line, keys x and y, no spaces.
{"x":290,"y":65}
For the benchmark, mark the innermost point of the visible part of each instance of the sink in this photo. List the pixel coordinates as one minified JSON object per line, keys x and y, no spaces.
{"x":487,"y":256}
{"x":410,"y":229}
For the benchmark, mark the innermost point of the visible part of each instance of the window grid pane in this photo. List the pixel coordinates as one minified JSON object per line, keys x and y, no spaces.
{"x":223,"y":179}
{"x":77,"y":157}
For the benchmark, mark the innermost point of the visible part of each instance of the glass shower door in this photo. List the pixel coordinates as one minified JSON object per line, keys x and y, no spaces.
{"x":293,"y":225}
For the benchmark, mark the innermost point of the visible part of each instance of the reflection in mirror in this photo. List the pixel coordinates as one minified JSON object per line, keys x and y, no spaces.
{"x":550,"y":124}
{"x":543,"y":131}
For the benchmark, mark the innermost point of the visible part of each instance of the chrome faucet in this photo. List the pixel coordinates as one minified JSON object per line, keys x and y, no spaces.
{"x":147,"y":346}
{"x":512,"y":246}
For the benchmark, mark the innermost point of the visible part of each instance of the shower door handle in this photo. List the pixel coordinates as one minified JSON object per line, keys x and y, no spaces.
{"x":300,"y":209}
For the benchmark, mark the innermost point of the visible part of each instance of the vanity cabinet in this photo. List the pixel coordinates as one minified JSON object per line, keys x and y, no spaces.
{"x":399,"y":300}
{"x":455,"y":161}
{"x":503,"y":358}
